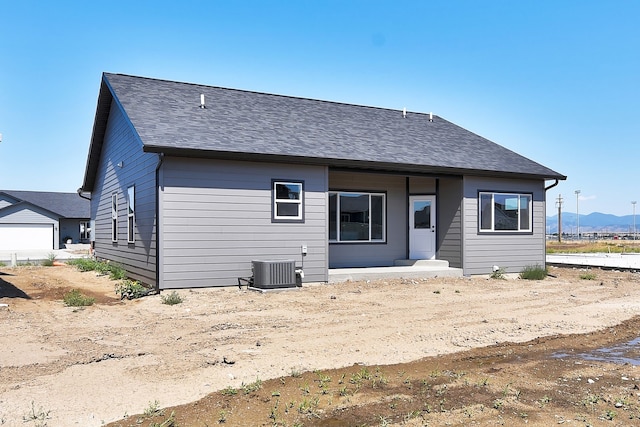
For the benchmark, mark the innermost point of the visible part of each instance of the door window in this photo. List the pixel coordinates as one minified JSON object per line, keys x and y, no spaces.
{"x":422,"y":214}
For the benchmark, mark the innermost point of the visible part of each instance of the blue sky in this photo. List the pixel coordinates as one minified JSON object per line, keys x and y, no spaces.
{"x":556,"y":81}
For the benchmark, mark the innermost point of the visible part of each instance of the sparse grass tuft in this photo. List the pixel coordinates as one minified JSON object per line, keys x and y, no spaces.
{"x":498,"y":273}
{"x":588,"y":276}
{"x":51,"y":257}
{"x":172,"y":299}
{"x":153,"y":409}
{"x":252,"y":387}
{"x":75,"y":298}
{"x":38,"y":416}
{"x":533,"y":272}
{"x":169,"y":422}
{"x":229,"y":391}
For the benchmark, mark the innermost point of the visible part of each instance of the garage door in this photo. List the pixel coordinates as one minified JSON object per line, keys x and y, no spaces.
{"x":16,"y":237}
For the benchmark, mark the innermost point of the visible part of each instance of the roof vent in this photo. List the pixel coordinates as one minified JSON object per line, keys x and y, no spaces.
{"x":202,"y":101}
{"x":404,"y":113}
{"x":430,"y":117}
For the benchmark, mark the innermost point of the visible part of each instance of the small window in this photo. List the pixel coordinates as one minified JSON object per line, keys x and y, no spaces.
{"x":505,"y":212}
{"x":85,"y":230}
{"x":288,"y":200}
{"x":114,"y":217}
{"x":131,"y":214}
{"x":356,"y":217}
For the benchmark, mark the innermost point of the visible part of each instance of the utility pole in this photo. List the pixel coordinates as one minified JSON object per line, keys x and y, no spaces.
{"x":634,"y":219}
{"x":577,"y":214}
{"x":559,"y":206}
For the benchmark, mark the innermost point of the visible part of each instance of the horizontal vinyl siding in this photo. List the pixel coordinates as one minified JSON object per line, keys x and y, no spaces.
{"x":216,"y":219}
{"x":6,"y":201}
{"x":510,"y":251}
{"x":22,"y":215}
{"x":450,"y":221}
{"x":345,"y":255}
{"x":121,"y":144}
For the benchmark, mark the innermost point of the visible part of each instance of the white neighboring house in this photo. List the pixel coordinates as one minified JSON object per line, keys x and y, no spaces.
{"x":42,"y":220}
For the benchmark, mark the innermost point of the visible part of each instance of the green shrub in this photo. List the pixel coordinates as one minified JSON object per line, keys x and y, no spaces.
{"x":114,"y":270}
{"x":117,"y":272}
{"x":51,"y":257}
{"x":102,"y":267}
{"x":74,"y":298}
{"x":131,"y":289}
{"x":533,"y":272}
{"x":172,"y":299}
{"x":83,"y":264}
{"x":588,"y":276}
{"x":498,"y":273}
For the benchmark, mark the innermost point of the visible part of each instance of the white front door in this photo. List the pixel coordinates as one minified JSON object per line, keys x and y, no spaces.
{"x":422,"y":227}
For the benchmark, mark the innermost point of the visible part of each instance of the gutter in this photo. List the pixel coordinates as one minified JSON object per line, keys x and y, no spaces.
{"x":552,"y":185}
{"x":79,"y":191}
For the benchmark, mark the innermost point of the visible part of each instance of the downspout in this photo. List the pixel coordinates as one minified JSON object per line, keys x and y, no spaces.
{"x":551,"y":186}
{"x":79,"y":191}
{"x":545,"y":231}
{"x":160,"y":160}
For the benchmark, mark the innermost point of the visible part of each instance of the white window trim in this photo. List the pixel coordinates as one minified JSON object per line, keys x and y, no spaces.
{"x":114,"y":217}
{"x":85,"y":230}
{"x":339,"y":218}
{"x":276,"y":201}
{"x":131,"y":214}
{"x":519,"y":196}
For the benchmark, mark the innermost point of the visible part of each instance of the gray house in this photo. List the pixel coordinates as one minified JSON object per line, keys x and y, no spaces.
{"x":189,"y":184}
{"x":42,"y":220}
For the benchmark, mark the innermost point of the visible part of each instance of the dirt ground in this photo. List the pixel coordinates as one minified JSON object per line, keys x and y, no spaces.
{"x":465,"y":351}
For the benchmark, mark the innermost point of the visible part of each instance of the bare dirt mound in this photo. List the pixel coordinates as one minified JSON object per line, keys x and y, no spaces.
{"x":338,"y":354}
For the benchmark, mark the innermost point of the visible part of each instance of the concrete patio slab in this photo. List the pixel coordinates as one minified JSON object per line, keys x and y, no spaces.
{"x":604,"y":260}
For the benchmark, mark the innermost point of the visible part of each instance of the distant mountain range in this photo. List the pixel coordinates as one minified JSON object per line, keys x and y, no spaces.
{"x":595,"y":222}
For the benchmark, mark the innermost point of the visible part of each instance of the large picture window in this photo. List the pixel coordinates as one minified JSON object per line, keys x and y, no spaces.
{"x":356,"y":217}
{"x":114,"y":217}
{"x":131,"y":214}
{"x":288,"y":199}
{"x":505,"y":212}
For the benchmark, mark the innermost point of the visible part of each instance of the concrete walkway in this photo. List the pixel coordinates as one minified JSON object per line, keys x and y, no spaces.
{"x":625,"y":261}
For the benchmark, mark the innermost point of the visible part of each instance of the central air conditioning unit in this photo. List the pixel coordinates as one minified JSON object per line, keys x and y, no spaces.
{"x":274,"y":274}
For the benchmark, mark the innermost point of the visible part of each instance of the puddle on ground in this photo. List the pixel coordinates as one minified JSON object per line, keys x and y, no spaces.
{"x":628,"y":352}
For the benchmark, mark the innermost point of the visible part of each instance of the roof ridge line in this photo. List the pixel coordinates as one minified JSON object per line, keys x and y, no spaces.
{"x":255,"y":92}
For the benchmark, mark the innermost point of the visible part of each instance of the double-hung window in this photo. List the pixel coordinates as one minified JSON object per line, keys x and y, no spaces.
{"x":356,"y":217}
{"x":85,"y":230}
{"x":131,"y":214}
{"x":114,"y":217}
{"x":288,"y":201}
{"x":505,"y":212}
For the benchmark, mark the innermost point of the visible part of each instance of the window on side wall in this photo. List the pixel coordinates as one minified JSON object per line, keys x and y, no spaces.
{"x":357,"y":217}
{"x":505,"y":212}
{"x":114,"y":217}
{"x":288,"y":201}
{"x":85,"y":230}
{"x":131,"y":214}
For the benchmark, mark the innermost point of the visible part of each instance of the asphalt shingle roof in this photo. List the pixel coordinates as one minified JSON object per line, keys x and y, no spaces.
{"x":168,"y":118}
{"x":66,"y":205}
